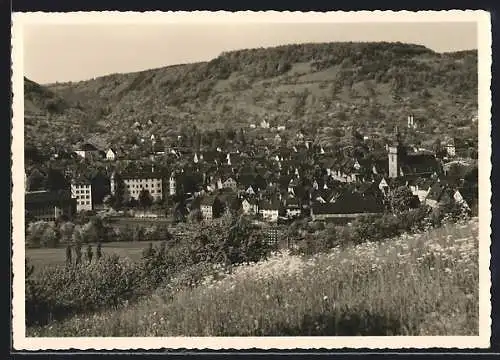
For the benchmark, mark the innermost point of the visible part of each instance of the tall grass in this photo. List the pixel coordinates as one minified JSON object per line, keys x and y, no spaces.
{"x":422,"y":284}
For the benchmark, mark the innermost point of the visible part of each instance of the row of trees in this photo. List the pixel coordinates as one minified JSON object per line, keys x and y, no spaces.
{"x":51,"y":234}
{"x":74,"y":253}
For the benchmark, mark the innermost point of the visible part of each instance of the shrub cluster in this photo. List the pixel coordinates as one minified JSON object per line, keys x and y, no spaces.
{"x":106,"y":281}
{"x":377,"y":228}
{"x":61,"y":291}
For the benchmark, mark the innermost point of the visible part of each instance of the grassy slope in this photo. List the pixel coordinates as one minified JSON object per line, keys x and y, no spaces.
{"x":169,"y":95}
{"x":424,"y":284}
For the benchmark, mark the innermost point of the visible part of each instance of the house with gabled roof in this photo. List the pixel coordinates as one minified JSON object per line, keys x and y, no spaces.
{"x":110,"y":154}
{"x":269,"y":209}
{"x":421,"y":187}
{"x":250,"y":190}
{"x":292,"y":207}
{"x":93,"y":146}
{"x":367,"y":188}
{"x":383,"y":186}
{"x":347,"y":206}
{"x":207,"y":204}
{"x":421,"y":165}
{"x":49,"y":205}
{"x":439,"y":194}
{"x":403,"y":162}
{"x":460,"y":199}
{"x":228,"y":182}
{"x":250,"y":206}
{"x":87,"y":150}
{"x":442,"y":193}
{"x":322,"y":196}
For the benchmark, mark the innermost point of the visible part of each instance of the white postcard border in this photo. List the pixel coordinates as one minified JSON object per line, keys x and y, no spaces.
{"x":21,"y":342}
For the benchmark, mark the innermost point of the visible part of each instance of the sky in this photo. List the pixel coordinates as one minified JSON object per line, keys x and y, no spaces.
{"x":74,"y":52}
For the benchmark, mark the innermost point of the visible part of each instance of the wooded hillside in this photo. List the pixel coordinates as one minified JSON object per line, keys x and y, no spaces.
{"x":324,"y":89}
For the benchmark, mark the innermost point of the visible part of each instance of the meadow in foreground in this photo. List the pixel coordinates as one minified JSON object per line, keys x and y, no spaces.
{"x":421,"y":284}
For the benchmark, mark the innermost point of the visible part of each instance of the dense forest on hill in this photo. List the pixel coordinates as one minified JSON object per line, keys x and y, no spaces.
{"x":324,"y":90}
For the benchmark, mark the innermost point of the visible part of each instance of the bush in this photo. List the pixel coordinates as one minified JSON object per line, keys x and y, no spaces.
{"x":42,"y":234}
{"x":414,"y":219}
{"x":376,"y":228}
{"x":156,"y":265}
{"x":61,"y":291}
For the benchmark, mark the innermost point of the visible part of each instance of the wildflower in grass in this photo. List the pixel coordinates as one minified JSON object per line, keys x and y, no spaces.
{"x":357,"y":289}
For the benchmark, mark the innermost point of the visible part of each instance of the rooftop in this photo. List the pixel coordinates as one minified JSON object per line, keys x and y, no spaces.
{"x":54,"y":197}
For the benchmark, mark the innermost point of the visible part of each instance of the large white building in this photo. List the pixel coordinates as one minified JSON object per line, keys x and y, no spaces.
{"x":82,"y":192}
{"x":134,"y":183}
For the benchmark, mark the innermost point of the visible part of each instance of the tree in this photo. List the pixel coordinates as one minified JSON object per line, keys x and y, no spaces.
{"x":179,"y":212}
{"x":89,"y":233}
{"x":145,"y":199}
{"x":148,"y":252}
{"x":36,"y":181}
{"x":119,"y":192}
{"x":436,"y":147}
{"x":240,"y":137}
{"x":68,"y":254}
{"x":455,"y":170}
{"x":42,"y":234}
{"x":56,"y":180}
{"x":100,"y":229}
{"x":109,"y":200}
{"x":138,"y":233}
{"x":235,"y":206}
{"x":197,"y":140}
{"x":77,"y":236}
{"x":100,"y":187}
{"x":66,"y":230}
{"x":218,"y":207}
{"x":78,"y":253}
{"x":98,"y":252}
{"x":402,"y":199}
{"x":229,"y":131}
{"x":194,"y":216}
{"x":90,"y":253}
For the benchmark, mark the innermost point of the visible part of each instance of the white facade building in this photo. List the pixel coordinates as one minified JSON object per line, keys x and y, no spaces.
{"x":172,"y":185}
{"x":133,"y":185}
{"x":82,"y":192}
{"x":110,"y":155}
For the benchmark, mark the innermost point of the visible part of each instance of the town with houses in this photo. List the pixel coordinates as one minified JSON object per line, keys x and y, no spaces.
{"x":272,"y":182}
{"x":287,"y":190}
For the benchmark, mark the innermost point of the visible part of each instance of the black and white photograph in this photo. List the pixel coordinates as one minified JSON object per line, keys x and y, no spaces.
{"x":240,"y":180}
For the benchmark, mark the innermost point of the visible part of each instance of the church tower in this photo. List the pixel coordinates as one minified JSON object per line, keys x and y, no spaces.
{"x":395,"y":154}
{"x":393,"y":161}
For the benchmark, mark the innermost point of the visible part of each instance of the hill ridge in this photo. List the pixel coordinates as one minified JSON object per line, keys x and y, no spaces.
{"x":354,"y":82}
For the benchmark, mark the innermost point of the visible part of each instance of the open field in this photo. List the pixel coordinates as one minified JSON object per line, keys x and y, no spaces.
{"x":42,"y":258}
{"x":422,"y":284}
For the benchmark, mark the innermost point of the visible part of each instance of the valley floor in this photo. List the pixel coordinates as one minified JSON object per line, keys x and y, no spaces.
{"x":422,"y":284}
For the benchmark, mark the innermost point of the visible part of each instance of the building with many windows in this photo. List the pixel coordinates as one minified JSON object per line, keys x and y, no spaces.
{"x":134,"y":183}
{"x":82,"y":191}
